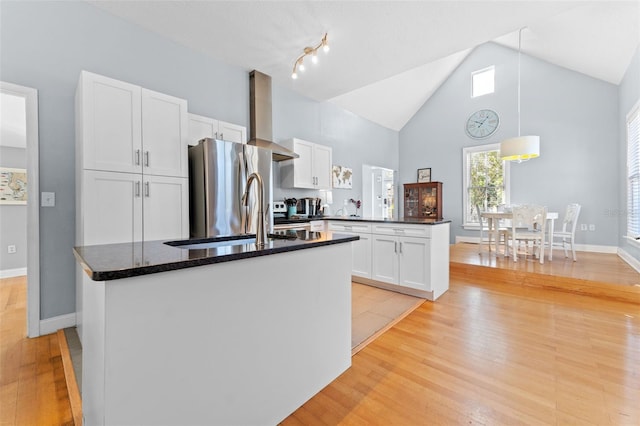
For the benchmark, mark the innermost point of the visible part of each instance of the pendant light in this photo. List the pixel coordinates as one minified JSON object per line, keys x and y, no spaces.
{"x":520,"y":148}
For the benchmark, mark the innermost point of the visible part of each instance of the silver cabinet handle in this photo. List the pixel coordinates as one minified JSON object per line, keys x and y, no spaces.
{"x":400,"y":247}
{"x":137,"y":188}
{"x":137,"y":157}
{"x":146,"y":158}
{"x":221,"y":135}
{"x":146,"y":189}
{"x":215,"y":135}
{"x":395,"y":247}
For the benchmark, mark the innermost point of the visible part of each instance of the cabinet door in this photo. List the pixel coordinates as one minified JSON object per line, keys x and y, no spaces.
{"x":164,"y":134}
{"x":109,"y":124}
{"x":303,"y":166}
{"x":361,"y":250}
{"x":322,"y":166}
{"x":414,"y":262}
{"x":201,"y":127}
{"x":232,"y":132}
{"x":112,"y":207}
{"x":385,"y":259}
{"x":166,"y":208}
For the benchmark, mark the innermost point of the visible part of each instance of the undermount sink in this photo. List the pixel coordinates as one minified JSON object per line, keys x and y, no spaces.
{"x":213,"y":242}
{"x":225,"y":241}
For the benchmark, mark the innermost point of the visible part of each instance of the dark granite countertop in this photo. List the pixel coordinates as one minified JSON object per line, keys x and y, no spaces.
{"x":115,"y":261}
{"x":399,"y":221}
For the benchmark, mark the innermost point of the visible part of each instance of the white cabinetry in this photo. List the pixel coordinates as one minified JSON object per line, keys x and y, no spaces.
{"x":361,"y":249}
{"x":125,"y":128}
{"x":311,"y":170}
{"x":401,"y":260}
{"x":407,"y":258}
{"x":205,"y":127}
{"x":131,"y":163}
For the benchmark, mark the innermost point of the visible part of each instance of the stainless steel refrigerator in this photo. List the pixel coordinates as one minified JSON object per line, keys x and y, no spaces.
{"x":218,"y":173}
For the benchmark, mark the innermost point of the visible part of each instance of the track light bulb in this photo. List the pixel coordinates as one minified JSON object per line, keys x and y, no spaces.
{"x":308,"y":51}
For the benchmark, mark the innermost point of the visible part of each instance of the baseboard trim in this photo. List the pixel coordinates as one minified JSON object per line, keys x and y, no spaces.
{"x":632,"y":261}
{"x":10,"y":273}
{"x":52,"y":325}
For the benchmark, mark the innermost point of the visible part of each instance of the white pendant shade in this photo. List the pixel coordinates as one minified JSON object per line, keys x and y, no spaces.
{"x":520,"y":148}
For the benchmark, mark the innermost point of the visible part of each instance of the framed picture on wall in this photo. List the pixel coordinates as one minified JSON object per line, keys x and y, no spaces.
{"x":424,"y":175}
{"x":13,"y":186}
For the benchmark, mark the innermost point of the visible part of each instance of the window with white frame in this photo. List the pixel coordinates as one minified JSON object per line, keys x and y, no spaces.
{"x":483,"y":81}
{"x":633,"y":173}
{"x":485,"y":181}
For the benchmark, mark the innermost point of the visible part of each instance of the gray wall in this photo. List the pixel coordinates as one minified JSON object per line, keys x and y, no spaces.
{"x":629,"y":95}
{"x":45,"y":45}
{"x":575,"y":116}
{"x":354,"y":140}
{"x":13,"y":219}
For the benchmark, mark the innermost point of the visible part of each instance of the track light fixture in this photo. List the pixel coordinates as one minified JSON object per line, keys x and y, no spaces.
{"x":309,"y":51}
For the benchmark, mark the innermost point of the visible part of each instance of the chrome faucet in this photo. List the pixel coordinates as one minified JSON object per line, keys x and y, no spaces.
{"x":261,"y":235}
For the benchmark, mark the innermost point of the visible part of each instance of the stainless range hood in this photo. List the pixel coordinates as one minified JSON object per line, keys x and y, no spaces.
{"x":261,"y":128}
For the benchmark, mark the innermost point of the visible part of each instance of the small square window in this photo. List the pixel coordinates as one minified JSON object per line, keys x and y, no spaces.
{"x":483,"y":82}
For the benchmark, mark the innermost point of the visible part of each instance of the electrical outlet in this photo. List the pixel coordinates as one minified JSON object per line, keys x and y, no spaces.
{"x":11,"y":249}
{"x":592,"y":227}
{"x":583,"y":226}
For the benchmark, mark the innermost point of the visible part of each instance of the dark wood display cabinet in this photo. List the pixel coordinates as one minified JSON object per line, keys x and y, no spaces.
{"x":423,"y":200}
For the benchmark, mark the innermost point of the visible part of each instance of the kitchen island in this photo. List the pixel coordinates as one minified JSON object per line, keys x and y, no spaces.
{"x":409,"y":256}
{"x":213,"y":334}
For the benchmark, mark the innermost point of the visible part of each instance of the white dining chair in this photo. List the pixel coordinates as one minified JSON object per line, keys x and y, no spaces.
{"x":568,"y":233}
{"x":528,"y":225}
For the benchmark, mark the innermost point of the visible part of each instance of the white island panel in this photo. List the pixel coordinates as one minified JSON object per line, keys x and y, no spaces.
{"x":240,"y":342}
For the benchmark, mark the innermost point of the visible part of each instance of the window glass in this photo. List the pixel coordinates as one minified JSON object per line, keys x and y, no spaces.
{"x":485,"y":180}
{"x":483,"y":82}
{"x":633,"y":173}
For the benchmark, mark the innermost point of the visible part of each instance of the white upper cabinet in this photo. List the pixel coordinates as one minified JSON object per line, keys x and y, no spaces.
{"x":311,"y":170}
{"x":164,"y":135}
{"x":232,"y":132}
{"x":110,"y":126}
{"x":125,"y":128}
{"x":205,"y":127}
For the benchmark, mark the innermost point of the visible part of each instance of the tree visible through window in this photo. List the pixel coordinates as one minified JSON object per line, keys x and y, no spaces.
{"x":485,"y":181}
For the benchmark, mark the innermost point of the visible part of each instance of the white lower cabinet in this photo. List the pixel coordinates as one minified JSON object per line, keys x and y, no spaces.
{"x":360,"y":249}
{"x":402,"y":257}
{"x":127,"y":207}
{"x":401,"y":260}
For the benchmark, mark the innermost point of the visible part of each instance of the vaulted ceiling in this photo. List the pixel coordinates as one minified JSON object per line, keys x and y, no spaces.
{"x":388,"y":57}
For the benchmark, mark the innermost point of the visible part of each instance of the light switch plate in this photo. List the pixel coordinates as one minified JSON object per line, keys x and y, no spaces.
{"x":48,"y":199}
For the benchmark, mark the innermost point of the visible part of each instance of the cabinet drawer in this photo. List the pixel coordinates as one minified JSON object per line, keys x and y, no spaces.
{"x":317,"y":225}
{"x":349,"y":227}
{"x":406,"y":230}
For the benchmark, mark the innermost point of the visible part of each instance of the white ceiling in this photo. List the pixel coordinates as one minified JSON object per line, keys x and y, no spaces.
{"x":388,"y":57}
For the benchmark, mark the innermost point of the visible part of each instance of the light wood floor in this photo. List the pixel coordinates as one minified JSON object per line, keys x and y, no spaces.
{"x":487,"y":352}
{"x":494,"y":353}
{"x":32,"y":383}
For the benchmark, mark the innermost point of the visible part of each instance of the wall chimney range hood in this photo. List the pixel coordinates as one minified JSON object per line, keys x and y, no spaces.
{"x":261,"y":128}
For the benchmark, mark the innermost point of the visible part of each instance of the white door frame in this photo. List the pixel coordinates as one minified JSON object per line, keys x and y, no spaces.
{"x":33,"y":204}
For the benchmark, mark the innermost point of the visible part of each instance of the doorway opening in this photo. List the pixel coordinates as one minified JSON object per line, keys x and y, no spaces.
{"x":19,"y":126}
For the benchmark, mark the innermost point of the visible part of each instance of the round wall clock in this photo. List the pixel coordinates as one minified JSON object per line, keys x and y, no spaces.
{"x":482,"y":124}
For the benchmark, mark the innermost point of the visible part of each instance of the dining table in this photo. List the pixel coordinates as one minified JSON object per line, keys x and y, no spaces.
{"x":493,"y":222}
